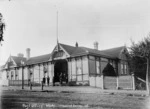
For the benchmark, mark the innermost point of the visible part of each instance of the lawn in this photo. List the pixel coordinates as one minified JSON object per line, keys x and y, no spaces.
{"x":15,"y":99}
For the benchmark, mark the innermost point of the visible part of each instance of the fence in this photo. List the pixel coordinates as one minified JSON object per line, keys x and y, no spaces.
{"x":109,"y":82}
{"x":19,"y":83}
{"x":140,"y":84}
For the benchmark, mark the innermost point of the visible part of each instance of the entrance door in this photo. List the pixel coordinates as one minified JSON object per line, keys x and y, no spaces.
{"x":61,"y":72}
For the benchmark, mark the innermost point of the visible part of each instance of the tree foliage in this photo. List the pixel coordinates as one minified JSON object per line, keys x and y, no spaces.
{"x":142,"y":48}
{"x":140,"y":53}
{"x":2,"y":27}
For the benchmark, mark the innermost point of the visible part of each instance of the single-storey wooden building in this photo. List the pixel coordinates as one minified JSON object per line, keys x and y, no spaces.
{"x":71,"y":65}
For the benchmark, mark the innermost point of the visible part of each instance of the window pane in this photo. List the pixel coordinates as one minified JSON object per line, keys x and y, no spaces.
{"x":7,"y":75}
{"x":122,"y":70}
{"x":73,"y":78}
{"x":97,"y":67}
{"x":70,"y":77}
{"x":125,"y":69}
{"x":79,"y":70}
{"x":85,"y":77}
{"x":104,"y":59}
{"x":79,"y":78}
{"x":73,"y":67}
{"x":85,"y":65}
{"x":92,"y":67}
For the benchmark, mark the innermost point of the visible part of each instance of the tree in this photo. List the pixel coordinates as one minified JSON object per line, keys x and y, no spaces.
{"x":142,"y":51}
{"x":2,"y":27}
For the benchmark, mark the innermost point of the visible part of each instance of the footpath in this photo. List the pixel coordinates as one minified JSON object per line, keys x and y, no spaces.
{"x":76,"y":89}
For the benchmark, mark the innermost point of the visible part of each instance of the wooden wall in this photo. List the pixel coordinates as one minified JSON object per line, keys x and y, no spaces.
{"x":78,"y":70}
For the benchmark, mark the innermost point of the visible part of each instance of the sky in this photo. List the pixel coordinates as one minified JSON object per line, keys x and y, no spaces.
{"x":32,"y":24}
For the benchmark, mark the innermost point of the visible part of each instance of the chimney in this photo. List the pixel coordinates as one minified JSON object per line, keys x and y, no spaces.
{"x":28,"y":53}
{"x":96,"y":45}
{"x":20,"y":55}
{"x":76,"y":44}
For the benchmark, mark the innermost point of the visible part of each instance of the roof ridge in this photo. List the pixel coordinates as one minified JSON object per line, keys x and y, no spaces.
{"x":67,"y":45}
{"x":41,"y":55}
{"x":85,"y":48}
{"x":112,"y":48}
{"x":18,"y":57}
{"x":91,"y":49}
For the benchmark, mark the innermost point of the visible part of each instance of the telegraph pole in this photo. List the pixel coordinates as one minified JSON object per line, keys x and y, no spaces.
{"x":22,"y":63}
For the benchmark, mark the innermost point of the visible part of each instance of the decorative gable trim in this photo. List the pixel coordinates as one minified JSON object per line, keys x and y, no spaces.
{"x":13,"y":61}
{"x":68,"y":55}
{"x":124,"y":52}
{"x":58,"y":47}
{"x":9,"y":60}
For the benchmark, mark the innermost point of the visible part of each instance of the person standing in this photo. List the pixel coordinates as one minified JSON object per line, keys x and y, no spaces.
{"x":48,"y":80}
{"x":44,"y":80}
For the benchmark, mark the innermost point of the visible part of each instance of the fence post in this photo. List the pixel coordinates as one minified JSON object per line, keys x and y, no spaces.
{"x":133,"y":81}
{"x":102,"y":76}
{"x":42,"y":85}
{"x":30,"y":86}
{"x":117,"y":82}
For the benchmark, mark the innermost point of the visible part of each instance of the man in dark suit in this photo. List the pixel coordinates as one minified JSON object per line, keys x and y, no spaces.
{"x":48,"y":80}
{"x":44,"y":80}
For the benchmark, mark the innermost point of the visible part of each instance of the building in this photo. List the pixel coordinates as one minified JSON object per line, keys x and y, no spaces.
{"x":71,"y":65}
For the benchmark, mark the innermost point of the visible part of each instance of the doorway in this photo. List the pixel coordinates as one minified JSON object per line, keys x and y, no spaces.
{"x":61,"y":72}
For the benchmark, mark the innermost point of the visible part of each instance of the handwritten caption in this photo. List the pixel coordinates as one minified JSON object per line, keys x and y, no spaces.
{"x":45,"y":105}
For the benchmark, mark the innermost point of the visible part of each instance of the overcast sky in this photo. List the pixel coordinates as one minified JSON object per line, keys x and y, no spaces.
{"x":32,"y":24}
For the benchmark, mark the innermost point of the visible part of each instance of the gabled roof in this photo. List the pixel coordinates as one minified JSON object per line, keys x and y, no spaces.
{"x":38,"y":59}
{"x":69,"y":49}
{"x":110,"y":53}
{"x":114,"y":52}
{"x":73,"y":52}
{"x":2,"y":67}
{"x":18,"y":60}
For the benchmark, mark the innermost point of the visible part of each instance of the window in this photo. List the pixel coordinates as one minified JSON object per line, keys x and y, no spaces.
{"x":79,"y":78}
{"x":97,"y":67}
{"x":73,"y":66}
{"x":125,"y":68}
{"x":7,"y":75}
{"x":92,"y":67}
{"x":79,"y":72}
{"x":45,"y":68}
{"x":79,"y":66}
{"x":74,"y":78}
{"x":12,"y":75}
{"x":16,"y":76}
{"x":85,"y":77}
{"x":85,"y":65}
{"x":122,"y":69}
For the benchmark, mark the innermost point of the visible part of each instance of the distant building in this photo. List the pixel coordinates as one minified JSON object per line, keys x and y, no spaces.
{"x":72,"y":64}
